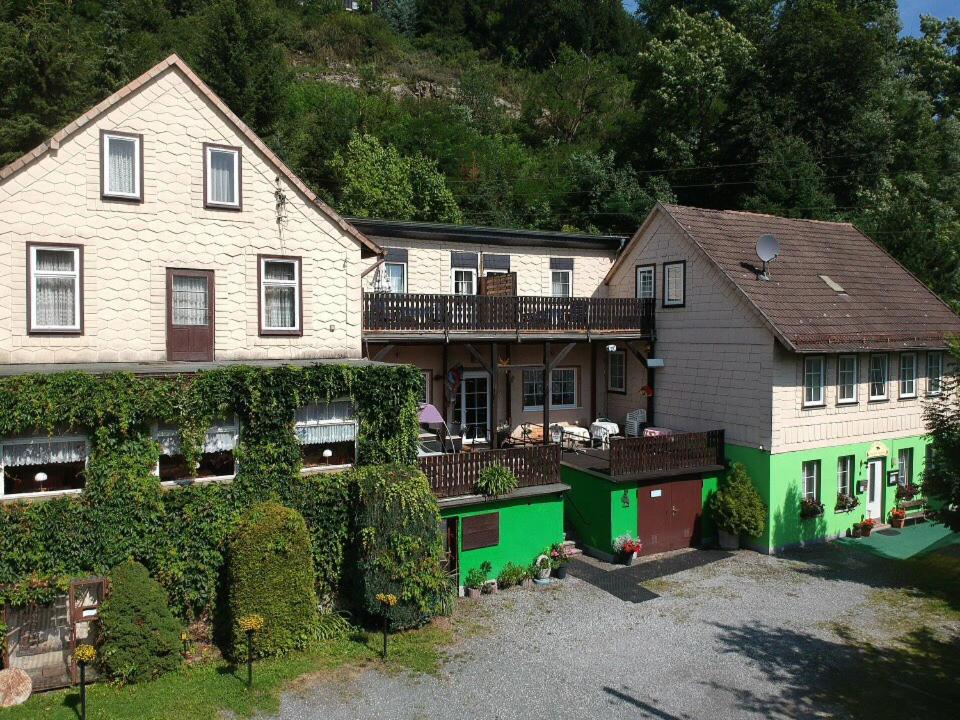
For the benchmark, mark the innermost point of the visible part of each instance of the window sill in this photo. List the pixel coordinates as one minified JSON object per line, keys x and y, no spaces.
{"x":322,"y":469}
{"x":185,"y":482}
{"x":219,"y":206}
{"x":616,"y":391}
{"x":907,"y":397}
{"x":40,"y":495}
{"x":281,"y":333}
{"x":847,"y":403}
{"x":878,"y":400}
{"x":813,"y":406}
{"x":122,"y":198}
{"x":55,"y":331}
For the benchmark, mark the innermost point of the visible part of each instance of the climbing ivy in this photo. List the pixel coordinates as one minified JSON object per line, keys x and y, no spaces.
{"x":179,"y":534}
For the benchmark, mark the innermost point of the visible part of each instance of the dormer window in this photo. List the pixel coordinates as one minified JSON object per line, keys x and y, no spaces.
{"x":121,"y":166}
{"x":221,"y":170}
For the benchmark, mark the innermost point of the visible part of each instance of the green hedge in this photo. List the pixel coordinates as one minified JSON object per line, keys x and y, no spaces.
{"x":180,"y":534}
{"x":270,"y":574}
{"x":398,"y":545}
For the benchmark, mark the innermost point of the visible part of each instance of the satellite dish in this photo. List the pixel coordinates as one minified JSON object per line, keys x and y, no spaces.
{"x":767,"y":249}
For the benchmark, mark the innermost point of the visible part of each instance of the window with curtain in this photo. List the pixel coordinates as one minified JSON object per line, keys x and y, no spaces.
{"x":845,"y":474}
{"x":223,"y":176}
{"x":813,"y":381}
{"x":55,"y":288}
{"x":617,"y":371}
{"x":397,"y":275}
{"x":42,"y":464}
{"x":905,"y":466}
{"x":280,"y":295}
{"x":121,"y":166}
{"x":674,"y":284}
{"x":646,"y":282}
{"x":878,"y":377}
{"x":191,"y":300}
{"x":847,"y":379}
{"x":908,"y":375}
{"x":934,"y":373}
{"x":561,"y":283}
{"x":216,"y":460}
{"x":811,"y":480}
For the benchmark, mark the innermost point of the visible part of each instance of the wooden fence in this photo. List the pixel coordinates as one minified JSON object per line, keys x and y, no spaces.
{"x":666,"y":453}
{"x":456,"y":474}
{"x":385,"y":312}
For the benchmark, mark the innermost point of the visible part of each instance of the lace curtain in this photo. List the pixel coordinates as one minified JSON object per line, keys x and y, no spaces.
{"x":319,"y":423}
{"x":222,"y":169}
{"x":42,"y":451}
{"x":56,"y":293}
{"x":221,"y":436}
{"x":189,"y":300}
{"x":280,"y":290}
{"x":121,"y":156}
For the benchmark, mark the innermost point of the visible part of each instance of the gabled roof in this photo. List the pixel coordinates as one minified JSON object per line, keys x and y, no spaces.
{"x":386,"y":230}
{"x":831,"y":288}
{"x":174,"y":61}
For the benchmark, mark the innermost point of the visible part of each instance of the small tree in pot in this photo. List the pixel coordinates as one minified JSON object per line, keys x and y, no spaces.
{"x":737,"y":508}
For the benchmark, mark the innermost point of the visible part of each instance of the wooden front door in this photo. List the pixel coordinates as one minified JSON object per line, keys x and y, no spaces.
{"x":668,"y":515}
{"x":190,"y":315}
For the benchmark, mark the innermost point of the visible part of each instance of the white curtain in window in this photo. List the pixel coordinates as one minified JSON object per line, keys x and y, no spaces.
{"x":189,"y":300}
{"x":43,"y":451}
{"x":221,"y":436}
{"x":327,"y":433}
{"x":395,"y":273}
{"x":56,"y":301}
{"x":281,"y":306}
{"x":325,"y":412}
{"x":222,"y":170}
{"x":122,"y":166}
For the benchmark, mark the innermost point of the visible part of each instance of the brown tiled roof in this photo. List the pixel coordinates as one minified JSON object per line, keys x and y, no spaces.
{"x":882,"y":306}
{"x":134,"y":85}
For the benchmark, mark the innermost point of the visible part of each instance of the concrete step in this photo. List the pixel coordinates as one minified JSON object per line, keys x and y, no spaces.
{"x":571,"y":548}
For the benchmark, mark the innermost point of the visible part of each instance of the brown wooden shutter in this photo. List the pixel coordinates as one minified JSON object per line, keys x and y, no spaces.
{"x":480,"y":531}
{"x":499,"y":285}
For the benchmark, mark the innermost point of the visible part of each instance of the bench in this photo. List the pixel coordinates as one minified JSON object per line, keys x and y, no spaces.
{"x":914,"y":509}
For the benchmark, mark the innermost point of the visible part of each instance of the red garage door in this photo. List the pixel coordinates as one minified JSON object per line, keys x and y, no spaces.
{"x":668,"y":515}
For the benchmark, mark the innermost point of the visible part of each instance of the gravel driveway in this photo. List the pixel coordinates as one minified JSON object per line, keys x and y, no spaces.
{"x":748,"y":636}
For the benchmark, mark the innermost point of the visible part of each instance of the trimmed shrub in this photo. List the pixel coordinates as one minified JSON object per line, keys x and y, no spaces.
{"x":138,"y":635}
{"x":270,"y":573}
{"x":398,"y":545}
{"x":736,"y":506}
{"x":495,"y":480}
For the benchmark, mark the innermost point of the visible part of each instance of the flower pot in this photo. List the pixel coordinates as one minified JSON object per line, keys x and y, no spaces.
{"x":857,"y":531}
{"x":473,"y":593}
{"x":897,"y":522}
{"x":867,"y":530}
{"x":728,"y":540}
{"x":490,"y":587}
{"x":626,"y":558}
{"x":561,"y":572}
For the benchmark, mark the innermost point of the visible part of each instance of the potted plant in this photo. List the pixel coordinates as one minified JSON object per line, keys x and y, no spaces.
{"x":559,"y":559}
{"x":737,"y":508}
{"x":898,"y":517}
{"x":907,"y":492}
{"x":476,"y":578}
{"x":511,"y":574}
{"x":846,"y":503}
{"x":626,"y":549}
{"x":541,"y":568}
{"x":810,"y":508}
{"x":866,"y":526}
{"x":495,"y":480}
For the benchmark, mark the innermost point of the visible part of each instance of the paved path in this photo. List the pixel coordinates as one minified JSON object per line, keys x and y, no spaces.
{"x":746,"y":636}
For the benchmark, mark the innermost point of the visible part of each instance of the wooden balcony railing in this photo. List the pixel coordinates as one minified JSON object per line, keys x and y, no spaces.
{"x":395,"y":312}
{"x":666,"y":453}
{"x":456,"y":474}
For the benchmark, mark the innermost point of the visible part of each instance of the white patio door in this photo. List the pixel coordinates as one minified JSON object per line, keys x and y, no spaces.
{"x":875,"y":489}
{"x":472,"y":408}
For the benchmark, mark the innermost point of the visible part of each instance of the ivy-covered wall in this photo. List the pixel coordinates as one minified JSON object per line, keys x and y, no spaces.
{"x":179,"y":533}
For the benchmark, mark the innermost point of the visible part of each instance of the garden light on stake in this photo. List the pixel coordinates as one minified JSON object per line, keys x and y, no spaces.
{"x":184,"y":638}
{"x":386,"y":601}
{"x":83,"y":655}
{"x":250,"y":624}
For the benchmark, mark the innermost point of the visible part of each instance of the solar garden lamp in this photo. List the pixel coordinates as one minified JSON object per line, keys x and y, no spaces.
{"x":387,"y":601}
{"x":185,"y":639}
{"x":250,"y":624}
{"x":83,"y":655}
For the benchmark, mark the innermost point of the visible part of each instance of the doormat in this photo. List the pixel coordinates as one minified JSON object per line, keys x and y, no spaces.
{"x":624,"y":583}
{"x":888,"y":531}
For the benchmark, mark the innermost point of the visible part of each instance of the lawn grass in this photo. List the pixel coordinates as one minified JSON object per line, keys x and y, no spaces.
{"x":204,"y":692}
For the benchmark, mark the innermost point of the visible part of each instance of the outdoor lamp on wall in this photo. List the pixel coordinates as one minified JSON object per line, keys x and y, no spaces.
{"x":611,"y":348}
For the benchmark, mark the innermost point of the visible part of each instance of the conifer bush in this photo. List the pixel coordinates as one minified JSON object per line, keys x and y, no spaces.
{"x":736,"y":506}
{"x":270,"y":574}
{"x":139,"y":636}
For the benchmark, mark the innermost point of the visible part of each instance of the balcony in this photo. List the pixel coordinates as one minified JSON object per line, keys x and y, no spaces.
{"x":397,"y":316}
{"x":646,"y":458}
{"x":454,"y":475}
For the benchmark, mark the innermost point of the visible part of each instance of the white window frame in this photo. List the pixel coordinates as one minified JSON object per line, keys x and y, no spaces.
{"x":846,"y":465}
{"x":902,"y":381}
{"x":939,"y":365}
{"x":295,"y":284}
{"x":568,"y":282}
{"x":539,"y":408}
{"x":403,"y":266}
{"x":821,"y":396}
{"x":234,"y":424}
{"x":207,"y":155}
{"x":886,"y":376}
{"x":76,"y":274}
{"x":815,"y":476}
{"x":854,"y":386}
{"x":108,"y":137}
{"x":610,"y":386}
{"x":650,"y":270}
{"x":453,"y":280}
{"x":905,"y":465}
{"x":41,"y":439}
{"x":681,"y":266}
{"x":427,"y":386}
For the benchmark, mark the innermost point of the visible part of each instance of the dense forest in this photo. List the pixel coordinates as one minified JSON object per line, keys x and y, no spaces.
{"x":551,"y":114}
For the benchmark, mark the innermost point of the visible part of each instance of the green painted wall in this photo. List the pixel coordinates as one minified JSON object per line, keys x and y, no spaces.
{"x":527,"y":527}
{"x":779,"y":480}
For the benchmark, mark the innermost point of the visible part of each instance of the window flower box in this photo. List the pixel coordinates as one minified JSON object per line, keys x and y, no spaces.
{"x":810,"y":508}
{"x":846,"y":503}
